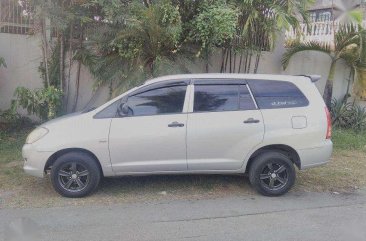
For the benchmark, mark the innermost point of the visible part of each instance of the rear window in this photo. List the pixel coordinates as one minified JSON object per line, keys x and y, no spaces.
{"x":222,"y":98}
{"x":271,"y":94}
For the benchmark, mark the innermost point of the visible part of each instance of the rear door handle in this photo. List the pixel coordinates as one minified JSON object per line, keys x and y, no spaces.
{"x":250,"y":121}
{"x":176,"y":124}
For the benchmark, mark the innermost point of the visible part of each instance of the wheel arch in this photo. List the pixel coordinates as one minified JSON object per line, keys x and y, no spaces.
{"x":51,"y":160}
{"x":285,"y":149}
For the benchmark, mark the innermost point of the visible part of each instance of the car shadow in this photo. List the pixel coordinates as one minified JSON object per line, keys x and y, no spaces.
{"x":191,"y":184}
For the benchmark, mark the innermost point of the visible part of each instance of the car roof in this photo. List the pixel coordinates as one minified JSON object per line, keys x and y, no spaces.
{"x":290,"y":78}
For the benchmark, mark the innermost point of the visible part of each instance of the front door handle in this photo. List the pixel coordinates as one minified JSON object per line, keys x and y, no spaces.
{"x":176,"y":124}
{"x":250,"y":121}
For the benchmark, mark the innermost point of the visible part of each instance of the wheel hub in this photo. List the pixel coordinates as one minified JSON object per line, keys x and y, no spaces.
{"x":74,"y":176}
{"x":274,"y":176}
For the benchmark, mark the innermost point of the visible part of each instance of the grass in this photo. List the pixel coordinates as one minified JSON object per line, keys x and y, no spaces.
{"x":10,"y":145}
{"x":344,"y":173}
{"x":344,"y":139}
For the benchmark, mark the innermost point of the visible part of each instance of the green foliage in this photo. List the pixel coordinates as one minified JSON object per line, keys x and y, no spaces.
{"x":44,"y":103}
{"x":214,"y":25}
{"x":123,"y":42}
{"x":123,"y":52}
{"x":348,"y":115}
{"x":54,"y":67}
{"x":297,"y":46}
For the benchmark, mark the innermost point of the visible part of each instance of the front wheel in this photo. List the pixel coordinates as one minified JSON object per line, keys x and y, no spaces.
{"x":75,"y":174}
{"x":272,"y":174}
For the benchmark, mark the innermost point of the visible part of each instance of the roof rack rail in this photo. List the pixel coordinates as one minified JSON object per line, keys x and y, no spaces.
{"x":314,"y":78}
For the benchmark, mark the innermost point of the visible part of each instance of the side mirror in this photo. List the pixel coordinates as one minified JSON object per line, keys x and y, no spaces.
{"x":122,"y":110}
{"x":125,"y":108}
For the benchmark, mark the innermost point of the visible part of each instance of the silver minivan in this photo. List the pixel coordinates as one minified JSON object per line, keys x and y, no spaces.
{"x":260,"y":125}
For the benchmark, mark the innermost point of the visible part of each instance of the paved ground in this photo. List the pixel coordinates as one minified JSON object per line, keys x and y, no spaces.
{"x":296,"y":216}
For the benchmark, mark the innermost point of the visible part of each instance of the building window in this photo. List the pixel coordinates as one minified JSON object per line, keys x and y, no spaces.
{"x":312,"y":16}
{"x":320,"y":16}
{"x":15,"y":17}
{"x":324,"y":16}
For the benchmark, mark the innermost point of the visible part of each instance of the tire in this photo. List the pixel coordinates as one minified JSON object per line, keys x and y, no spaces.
{"x":272,"y":174}
{"x":75,"y":174}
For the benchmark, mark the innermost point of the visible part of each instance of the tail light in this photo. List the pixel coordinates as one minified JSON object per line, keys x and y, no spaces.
{"x":329,"y":124}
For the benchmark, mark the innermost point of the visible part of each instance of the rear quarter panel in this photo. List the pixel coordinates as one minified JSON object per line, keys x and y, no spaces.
{"x":279,"y":126}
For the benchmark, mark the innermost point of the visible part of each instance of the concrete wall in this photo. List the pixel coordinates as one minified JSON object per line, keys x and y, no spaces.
{"x":319,"y":63}
{"x":23,"y":55}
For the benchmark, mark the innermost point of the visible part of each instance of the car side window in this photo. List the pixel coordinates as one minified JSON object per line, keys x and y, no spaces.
{"x":273,"y":94}
{"x":166,"y":100}
{"x":109,"y":111}
{"x":245,"y":99}
{"x":222,"y":98}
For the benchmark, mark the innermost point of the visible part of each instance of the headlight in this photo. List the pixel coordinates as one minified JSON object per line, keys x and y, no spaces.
{"x":35,"y":135}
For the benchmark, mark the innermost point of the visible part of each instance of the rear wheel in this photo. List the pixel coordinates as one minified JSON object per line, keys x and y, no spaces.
{"x":75,"y":174}
{"x":272,"y":174}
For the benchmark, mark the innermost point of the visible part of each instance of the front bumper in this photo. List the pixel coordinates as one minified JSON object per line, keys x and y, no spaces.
{"x":316,"y":156}
{"x":34,"y":160}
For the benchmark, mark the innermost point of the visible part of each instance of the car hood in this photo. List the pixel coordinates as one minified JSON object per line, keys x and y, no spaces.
{"x":61,"y":118}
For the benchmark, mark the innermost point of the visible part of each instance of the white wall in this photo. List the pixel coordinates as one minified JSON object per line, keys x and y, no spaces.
{"x":319,"y":63}
{"x":23,"y":55}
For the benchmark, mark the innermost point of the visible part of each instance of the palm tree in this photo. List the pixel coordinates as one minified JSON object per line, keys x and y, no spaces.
{"x":259,"y":22}
{"x":132,"y":42}
{"x":360,"y":67}
{"x":348,"y":45}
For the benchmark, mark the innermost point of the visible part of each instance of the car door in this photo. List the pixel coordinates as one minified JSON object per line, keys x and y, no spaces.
{"x":223,"y":127}
{"x":152,"y":136}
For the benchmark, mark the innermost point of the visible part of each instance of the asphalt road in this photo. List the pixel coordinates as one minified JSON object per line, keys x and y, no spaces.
{"x":296,"y":216}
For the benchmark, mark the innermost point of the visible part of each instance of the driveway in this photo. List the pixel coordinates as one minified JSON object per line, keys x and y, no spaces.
{"x":296,"y":216}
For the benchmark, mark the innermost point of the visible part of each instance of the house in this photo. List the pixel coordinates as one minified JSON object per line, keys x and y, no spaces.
{"x":324,"y":19}
{"x":329,"y":10}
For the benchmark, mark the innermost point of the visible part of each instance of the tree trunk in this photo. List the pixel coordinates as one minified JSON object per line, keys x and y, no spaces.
{"x":347,"y":95}
{"x":45,"y":51}
{"x":226,"y":60}
{"x":240,"y":61}
{"x":257,"y":59}
{"x":77,"y":85}
{"x":328,"y":91}
{"x":230,"y":58}
{"x":62,"y":47}
{"x":70,"y":66}
{"x":206,"y":57}
{"x":77,"y":82}
{"x":223,"y":60}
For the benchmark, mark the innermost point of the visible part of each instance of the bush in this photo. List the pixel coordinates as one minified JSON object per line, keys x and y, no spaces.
{"x":44,"y":103}
{"x":348,"y":115}
{"x":11,"y":121}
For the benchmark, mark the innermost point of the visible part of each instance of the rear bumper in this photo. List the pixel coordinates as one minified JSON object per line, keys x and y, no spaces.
{"x":34,"y":160}
{"x":316,"y":156}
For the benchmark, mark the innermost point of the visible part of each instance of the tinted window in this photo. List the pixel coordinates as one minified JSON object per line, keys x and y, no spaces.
{"x":271,"y":94}
{"x":221,"y":98}
{"x":166,"y":100}
{"x":109,"y":111}
{"x":245,"y":99}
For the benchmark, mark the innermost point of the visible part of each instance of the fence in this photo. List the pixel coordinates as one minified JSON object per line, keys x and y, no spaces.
{"x":15,"y":17}
{"x":316,"y":31}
